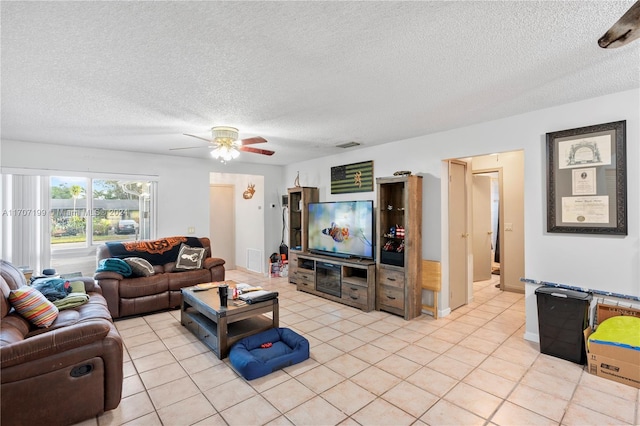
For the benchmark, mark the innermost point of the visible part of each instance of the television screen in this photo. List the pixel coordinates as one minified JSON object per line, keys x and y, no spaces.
{"x":342,"y":228}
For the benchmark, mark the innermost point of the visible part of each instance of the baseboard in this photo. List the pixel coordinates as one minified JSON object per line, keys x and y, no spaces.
{"x":532,"y":337}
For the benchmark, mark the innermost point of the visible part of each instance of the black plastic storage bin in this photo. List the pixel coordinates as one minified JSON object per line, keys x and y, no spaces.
{"x":562,"y":318}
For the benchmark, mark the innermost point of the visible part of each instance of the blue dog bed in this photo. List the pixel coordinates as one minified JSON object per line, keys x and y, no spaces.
{"x":252,"y":361}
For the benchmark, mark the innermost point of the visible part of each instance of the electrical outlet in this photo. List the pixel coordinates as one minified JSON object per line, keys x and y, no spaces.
{"x":191,"y":230}
{"x":508,"y":226}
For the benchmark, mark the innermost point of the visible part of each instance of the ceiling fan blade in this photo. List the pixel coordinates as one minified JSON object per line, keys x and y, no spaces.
{"x":256,"y":150}
{"x":250,"y":141}
{"x":198,"y":137}
{"x":188,"y":147}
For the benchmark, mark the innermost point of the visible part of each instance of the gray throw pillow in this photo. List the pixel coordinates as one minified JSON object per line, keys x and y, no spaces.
{"x":139,"y":267}
{"x":190,"y":257}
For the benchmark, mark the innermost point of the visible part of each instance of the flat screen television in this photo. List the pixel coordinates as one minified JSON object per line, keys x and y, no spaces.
{"x":342,"y":228}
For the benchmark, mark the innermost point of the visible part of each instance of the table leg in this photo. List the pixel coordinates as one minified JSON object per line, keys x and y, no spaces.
{"x":222,"y":336}
{"x":276,"y":314}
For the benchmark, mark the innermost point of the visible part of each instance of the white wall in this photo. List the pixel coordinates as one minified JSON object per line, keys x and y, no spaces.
{"x":598,"y":262}
{"x":183,"y":183}
{"x":250,"y":213}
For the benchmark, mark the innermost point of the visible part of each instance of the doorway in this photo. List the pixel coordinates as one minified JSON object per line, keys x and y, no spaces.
{"x":510,"y":228}
{"x":487,"y":189}
{"x":222,"y":223}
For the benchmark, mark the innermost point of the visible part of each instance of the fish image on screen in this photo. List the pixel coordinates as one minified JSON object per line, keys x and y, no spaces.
{"x":342,"y":228}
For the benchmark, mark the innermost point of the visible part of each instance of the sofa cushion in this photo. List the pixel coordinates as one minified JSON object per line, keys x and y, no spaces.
{"x":143,"y":286}
{"x":140,"y":267}
{"x":95,"y":308}
{"x":33,"y":306}
{"x":190,"y":258}
{"x":188,"y":278}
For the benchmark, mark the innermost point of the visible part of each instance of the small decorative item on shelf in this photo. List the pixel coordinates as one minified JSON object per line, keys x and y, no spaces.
{"x":399,"y":231}
{"x":400,"y":248}
{"x":389,"y":246}
{"x":402,"y":173}
{"x":392,"y":232}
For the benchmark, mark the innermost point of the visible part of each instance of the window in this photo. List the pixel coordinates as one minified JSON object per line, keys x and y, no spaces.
{"x":68,"y":202}
{"x":57,"y":221}
{"x":87,"y":212}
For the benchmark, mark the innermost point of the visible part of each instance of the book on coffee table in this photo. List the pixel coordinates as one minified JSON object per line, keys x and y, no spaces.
{"x":246,"y":288}
{"x":258,"y":296}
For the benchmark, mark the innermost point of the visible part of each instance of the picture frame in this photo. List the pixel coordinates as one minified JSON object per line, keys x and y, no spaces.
{"x":356,"y":177}
{"x":587,"y":180}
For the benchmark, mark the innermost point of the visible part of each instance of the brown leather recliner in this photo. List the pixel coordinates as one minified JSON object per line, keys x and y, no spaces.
{"x":162,"y":290}
{"x":63,"y":374}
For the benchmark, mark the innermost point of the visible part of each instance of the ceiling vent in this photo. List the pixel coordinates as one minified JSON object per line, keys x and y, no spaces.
{"x":348,"y":144}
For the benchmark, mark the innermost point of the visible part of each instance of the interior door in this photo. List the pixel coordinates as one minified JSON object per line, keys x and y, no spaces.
{"x":482,"y":233}
{"x":222,"y":223}
{"x":458,"y":235}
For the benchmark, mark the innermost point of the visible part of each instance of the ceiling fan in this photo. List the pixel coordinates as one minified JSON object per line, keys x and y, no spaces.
{"x":226,"y":145}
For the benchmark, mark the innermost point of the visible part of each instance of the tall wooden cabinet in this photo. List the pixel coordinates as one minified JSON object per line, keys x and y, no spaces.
{"x":399,"y":245}
{"x":299,"y":199}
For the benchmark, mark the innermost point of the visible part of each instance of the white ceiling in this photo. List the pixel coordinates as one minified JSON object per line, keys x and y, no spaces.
{"x":307,"y":76}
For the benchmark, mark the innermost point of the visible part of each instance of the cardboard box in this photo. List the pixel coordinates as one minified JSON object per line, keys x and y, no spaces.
{"x":607,"y":311}
{"x":615,"y":363}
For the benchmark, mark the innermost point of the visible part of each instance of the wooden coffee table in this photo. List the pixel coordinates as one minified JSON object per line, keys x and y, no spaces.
{"x":220,"y":327}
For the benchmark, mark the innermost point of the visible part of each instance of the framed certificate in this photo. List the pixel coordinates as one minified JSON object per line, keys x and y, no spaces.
{"x":587,"y":180}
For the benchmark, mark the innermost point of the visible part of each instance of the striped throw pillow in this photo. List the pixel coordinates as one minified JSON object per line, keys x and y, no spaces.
{"x":33,"y":306}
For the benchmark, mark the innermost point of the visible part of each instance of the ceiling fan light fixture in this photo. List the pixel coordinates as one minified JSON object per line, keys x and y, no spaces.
{"x":225,"y":153}
{"x":224,"y":134}
{"x":226,"y":139}
{"x":225,"y":144}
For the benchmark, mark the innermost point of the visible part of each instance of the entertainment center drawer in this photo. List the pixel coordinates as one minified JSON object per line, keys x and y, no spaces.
{"x":391,"y":297}
{"x":293,"y":259}
{"x":305,"y":278}
{"x":352,"y":293}
{"x":391,"y":277}
{"x":293,"y":266}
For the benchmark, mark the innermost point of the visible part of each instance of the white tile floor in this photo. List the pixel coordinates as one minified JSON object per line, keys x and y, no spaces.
{"x":472,"y":367}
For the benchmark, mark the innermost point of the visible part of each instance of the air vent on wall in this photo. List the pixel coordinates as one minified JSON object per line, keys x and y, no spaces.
{"x":348,"y":145}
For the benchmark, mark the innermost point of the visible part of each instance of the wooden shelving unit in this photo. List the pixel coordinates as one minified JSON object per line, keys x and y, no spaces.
{"x":399,"y":245}
{"x":299,"y":199}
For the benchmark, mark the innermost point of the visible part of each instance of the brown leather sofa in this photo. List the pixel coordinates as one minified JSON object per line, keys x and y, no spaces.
{"x":140,"y":295}
{"x":63,"y":374}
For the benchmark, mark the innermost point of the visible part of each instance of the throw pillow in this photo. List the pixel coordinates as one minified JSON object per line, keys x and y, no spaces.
{"x":190,"y":257}
{"x":33,"y":306}
{"x":139,"y":267}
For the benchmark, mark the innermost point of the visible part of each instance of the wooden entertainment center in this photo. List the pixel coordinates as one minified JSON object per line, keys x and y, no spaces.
{"x":348,"y":281}
{"x":392,"y":282}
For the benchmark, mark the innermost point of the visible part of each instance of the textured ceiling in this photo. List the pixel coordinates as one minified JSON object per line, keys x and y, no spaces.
{"x":306,"y":76}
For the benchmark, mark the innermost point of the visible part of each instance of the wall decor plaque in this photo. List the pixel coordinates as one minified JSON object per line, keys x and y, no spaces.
{"x":587,"y":180}
{"x":356,"y":177}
